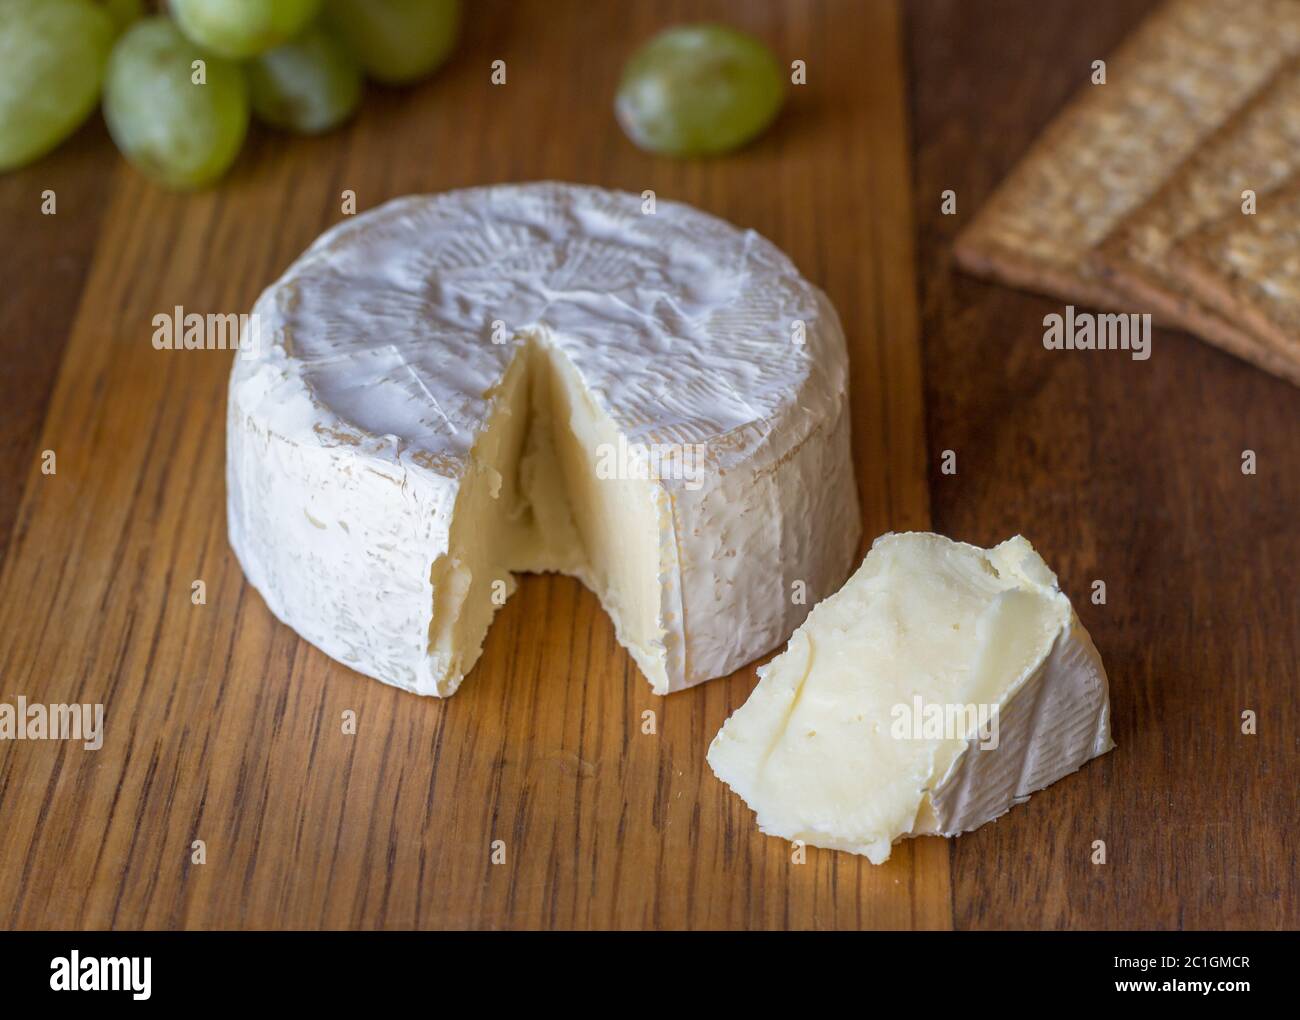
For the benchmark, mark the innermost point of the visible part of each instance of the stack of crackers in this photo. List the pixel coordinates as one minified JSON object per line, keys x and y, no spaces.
{"x":1173,"y":187}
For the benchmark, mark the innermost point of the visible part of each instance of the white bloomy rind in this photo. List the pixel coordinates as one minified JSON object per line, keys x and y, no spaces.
{"x":418,"y":418}
{"x":815,"y":752}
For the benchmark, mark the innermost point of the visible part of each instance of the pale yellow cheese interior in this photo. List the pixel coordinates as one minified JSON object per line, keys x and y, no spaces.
{"x":814,"y":751}
{"x":534,"y":500}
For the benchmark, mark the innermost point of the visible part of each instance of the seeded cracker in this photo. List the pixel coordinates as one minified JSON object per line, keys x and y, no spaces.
{"x":1181,"y":74}
{"x":1247,"y":268}
{"x":1257,"y":149}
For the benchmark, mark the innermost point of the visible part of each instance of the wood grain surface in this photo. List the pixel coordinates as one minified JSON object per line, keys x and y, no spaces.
{"x":221,"y":725}
{"x":1121,"y":471}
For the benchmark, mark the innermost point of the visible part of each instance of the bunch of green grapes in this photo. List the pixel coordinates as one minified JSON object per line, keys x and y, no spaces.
{"x":179,"y":85}
{"x":180,"y":79}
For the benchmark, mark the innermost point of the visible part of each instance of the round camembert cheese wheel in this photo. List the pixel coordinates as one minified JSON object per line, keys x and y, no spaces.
{"x":453,"y":389}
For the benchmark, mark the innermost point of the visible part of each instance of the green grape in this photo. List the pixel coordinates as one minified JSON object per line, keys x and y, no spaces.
{"x":52,"y":57}
{"x":397,"y":41}
{"x":181,"y":133}
{"x":123,"y":12}
{"x":698,"y":90}
{"x":243,"y":28}
{"x":309,"y":85}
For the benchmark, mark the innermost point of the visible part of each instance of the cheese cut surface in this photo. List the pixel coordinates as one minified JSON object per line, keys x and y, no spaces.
{"x":938,"y":688}
{"x":453,"y":389}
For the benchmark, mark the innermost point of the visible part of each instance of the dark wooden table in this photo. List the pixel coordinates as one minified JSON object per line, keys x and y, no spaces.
{"x":223,"y":726}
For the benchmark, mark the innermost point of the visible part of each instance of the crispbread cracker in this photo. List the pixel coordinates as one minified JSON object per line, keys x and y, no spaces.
{"x":1181,"y":74}
{"x":1258,"y":148}
{"x":1247,"y":268}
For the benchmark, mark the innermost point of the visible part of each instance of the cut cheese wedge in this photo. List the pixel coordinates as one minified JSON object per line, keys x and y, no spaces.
{"x":940,"y":686}
{"x":454,"y":389}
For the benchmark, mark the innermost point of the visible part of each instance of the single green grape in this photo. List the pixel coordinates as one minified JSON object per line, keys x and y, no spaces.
{"x":243,"y":28}
{"x":698,"y":90}
{"x":397,"y":41}
{"x":309,"y":85}
{"x":180,"y":121}
{"x":52,"y":57}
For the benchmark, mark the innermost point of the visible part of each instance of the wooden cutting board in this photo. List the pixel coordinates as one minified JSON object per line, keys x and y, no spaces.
{"x":222,"y":726}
